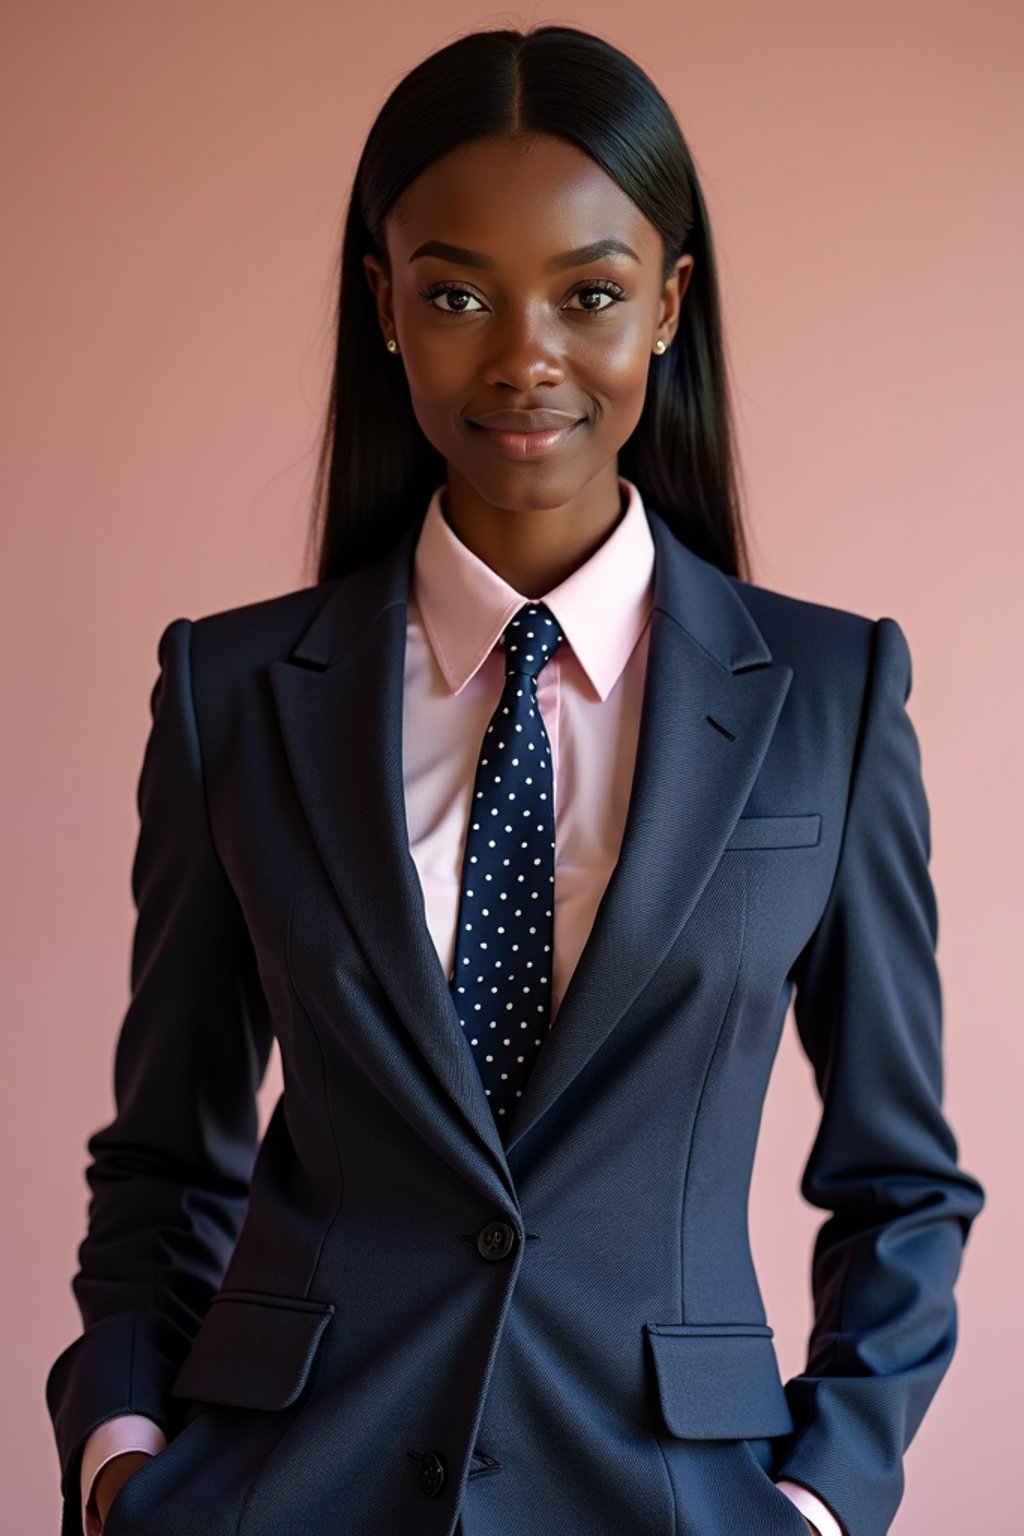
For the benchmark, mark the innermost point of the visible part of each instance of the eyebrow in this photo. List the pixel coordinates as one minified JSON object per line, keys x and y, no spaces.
{"x":576,"y":258}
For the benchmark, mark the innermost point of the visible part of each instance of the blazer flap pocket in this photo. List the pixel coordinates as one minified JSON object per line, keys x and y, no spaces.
{"x":719,"y":1381}
{"x":776,"y":832}
{"x":253,"y":1349}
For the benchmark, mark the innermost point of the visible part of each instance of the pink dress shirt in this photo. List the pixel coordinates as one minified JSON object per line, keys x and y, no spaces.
{"x":590,"y":696}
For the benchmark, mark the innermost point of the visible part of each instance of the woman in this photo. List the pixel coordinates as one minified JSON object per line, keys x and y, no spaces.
{"x":488,"y":1269}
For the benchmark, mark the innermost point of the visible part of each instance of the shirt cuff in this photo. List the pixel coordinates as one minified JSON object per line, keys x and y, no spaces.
{"x":125,"y":1432}
{"x":810,"y":1506}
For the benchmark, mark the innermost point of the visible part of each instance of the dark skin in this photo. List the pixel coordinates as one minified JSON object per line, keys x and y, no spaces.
{"x":515,"y":334}
{"x":524,"y":337}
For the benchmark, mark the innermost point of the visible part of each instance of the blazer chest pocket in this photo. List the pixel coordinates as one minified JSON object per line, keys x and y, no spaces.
{"x":253,"y":1349}
{"x":776,"y":832}
{"x":718,"y":1381}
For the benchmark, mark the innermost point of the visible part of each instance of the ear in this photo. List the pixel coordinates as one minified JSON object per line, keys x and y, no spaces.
{"x":672,"y":298}
{"x":380,"y":287}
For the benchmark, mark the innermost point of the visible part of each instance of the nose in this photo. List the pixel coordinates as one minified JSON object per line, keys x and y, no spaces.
{"x":522,"y":352}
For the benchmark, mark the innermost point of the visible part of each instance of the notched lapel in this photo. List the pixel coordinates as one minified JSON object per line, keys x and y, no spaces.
{"x":339,"y":699}
{"x":712,"y":698}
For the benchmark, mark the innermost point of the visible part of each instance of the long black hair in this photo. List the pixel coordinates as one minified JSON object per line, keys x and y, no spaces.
{"x":376,"y":468}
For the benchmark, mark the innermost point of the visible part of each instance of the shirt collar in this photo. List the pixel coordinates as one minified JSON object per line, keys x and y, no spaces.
{"x":601,"y":608}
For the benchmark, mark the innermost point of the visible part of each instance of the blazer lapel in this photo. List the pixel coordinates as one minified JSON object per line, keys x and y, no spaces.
{"x":707,"y":662}
{"x":711,"y":702}
{"x":339,"y":698}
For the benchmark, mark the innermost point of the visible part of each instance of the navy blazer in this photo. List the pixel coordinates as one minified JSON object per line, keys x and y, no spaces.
{"x":379,"y":1319}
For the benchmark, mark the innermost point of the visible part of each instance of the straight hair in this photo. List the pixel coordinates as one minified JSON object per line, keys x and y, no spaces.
{"x":376,"y":470}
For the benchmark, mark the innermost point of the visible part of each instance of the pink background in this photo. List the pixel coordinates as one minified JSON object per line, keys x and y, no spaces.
{"x":173,"y":188}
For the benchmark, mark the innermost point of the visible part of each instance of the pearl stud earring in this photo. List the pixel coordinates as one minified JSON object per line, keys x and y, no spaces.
{"x":392,"y":345}
{"x":659,"y":345}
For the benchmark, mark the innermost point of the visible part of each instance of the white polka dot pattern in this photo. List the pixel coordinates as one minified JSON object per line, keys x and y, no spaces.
{"x":501,"y":978}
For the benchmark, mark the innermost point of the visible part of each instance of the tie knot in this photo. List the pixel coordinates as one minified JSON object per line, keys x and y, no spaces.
{"x":531,"y":639}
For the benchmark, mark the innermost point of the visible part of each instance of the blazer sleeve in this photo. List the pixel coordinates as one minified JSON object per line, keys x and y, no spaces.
{"x":169,"y":1175}
{"x":868,"y":1010}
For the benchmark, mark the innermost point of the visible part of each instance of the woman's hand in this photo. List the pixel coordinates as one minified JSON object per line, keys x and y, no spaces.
{"x":112,"y":1477}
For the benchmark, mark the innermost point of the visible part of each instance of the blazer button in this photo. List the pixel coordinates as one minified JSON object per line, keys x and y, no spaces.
{"x":496,"y":1240}
{"x":432,"y":1473}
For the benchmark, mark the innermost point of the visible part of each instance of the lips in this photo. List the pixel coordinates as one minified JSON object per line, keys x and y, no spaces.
{"x":525,"y":421}
{"x":528,"y":445}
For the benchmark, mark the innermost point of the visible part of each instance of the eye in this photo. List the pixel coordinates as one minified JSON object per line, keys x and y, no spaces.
{"x":458,"y":295}
{"x":448,"y":290}
{"x":603,"y":286}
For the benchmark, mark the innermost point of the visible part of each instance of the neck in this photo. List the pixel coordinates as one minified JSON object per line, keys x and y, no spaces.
{"x":534,"y":549}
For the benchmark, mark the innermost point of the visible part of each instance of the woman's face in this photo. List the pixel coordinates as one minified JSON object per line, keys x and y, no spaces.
{"x":498,"y":305}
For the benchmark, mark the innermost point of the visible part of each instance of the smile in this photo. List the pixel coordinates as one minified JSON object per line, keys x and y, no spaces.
{"x":526,"y":445}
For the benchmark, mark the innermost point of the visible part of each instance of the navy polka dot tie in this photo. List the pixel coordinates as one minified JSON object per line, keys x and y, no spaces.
{"x":501,"y":976}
